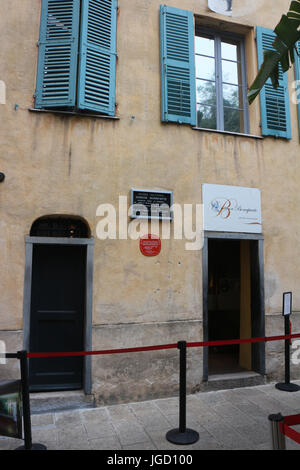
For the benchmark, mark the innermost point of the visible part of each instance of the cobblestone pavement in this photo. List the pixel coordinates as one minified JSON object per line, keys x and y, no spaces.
{"x":230,"y":419}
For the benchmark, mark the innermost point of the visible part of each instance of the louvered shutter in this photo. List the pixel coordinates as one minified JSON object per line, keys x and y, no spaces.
{"x":297,"y":77}
{"x":58,"y":54}
{"x":274,"y":104}
{"x":97,"y":63}
{"x":178,"y":87}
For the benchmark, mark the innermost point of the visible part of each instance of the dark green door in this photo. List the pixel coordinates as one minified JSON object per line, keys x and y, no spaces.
{"x":57,"y":315}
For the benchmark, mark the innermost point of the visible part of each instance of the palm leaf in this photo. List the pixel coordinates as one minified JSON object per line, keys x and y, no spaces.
{"x":287,"y":34}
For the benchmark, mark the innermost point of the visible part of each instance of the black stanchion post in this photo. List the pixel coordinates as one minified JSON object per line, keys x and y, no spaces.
{"x":278,"y":438}
{"x":182,"y":435}
{"x":22,"y":356}
{"x":287,"y":386}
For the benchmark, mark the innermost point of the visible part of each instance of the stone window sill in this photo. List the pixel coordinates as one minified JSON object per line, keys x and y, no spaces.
{"x":73,"y":113}
{"x":236,"y":134}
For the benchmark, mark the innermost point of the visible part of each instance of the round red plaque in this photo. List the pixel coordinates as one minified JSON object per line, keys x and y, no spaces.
{"x":150,"y":245}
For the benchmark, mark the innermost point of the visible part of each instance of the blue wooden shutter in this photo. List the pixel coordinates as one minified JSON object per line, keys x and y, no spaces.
{"x":97,"y":63}
{"x":58,"y":54}
{"x":178,"y":87}
{"x":297,"y":77}
{"x":274,"y":104}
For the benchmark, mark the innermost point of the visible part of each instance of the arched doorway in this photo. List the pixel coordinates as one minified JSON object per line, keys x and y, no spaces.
{"x":57,"y":301}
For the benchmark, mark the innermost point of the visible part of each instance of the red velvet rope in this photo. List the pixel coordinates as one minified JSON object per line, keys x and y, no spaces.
{"x":163,"y":346}
{"x":292,"y":420}
{"x":285,"y":428}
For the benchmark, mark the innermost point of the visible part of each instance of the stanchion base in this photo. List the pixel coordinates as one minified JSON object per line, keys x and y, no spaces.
{"x":288,"y":387}
{"x":34,"y":447}
{"x":181,"y":438}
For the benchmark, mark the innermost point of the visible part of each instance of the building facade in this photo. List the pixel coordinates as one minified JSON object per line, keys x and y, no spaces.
{"x":103,"y":97}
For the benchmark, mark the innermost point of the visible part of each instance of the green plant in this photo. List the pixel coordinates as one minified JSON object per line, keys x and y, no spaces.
{"x":288,"y":33}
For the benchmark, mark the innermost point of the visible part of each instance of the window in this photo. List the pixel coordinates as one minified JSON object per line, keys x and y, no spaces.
{"x":77,"y":56}
{"x":60,"y":226}
{"x":203,"y":75}
{"x":221,"y":88}
{"x":203,"y":78}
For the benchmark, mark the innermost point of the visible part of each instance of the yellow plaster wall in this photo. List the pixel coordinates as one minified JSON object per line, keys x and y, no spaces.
{"x":57,"y":164}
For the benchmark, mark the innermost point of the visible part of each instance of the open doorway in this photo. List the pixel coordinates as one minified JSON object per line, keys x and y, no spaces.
{"x":233,"y":304}
{"x":223,"y":304}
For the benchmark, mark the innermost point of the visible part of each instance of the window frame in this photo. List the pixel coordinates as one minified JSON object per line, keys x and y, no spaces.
{"x":218,"y":36}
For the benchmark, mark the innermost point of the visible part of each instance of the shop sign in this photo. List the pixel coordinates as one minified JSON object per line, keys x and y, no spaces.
{"x":231,"y":209}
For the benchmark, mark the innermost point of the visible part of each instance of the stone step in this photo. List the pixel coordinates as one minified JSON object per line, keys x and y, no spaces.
{"x":234,"y":380}
{"x":45,"y":402}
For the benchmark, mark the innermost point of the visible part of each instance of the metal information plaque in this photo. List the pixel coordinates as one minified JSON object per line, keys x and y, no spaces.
{"x":287,"y":303}
{"x":151,"y":204}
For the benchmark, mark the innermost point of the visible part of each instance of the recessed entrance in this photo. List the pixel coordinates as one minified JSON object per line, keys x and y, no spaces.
{"x":233,"y":304}
{"x":58,"y":302}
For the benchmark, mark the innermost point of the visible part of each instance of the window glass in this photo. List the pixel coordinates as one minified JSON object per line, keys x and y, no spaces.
{"x":205,"y":67}
{"x":205,"y":46}
{"x":229,"y":51}
{"x":207,"y":116}
{"x":233,"y":120}
{"x":232,"y":96}
{"x":230,"y":72}
{"x":206,"y":92}
{"x":221,"y":93}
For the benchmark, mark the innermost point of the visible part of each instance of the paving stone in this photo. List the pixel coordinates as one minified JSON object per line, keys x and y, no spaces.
{"x":255,"y":412}
{"x":74,"y":444}
{"x":232,"y":414}
{"x":257,"y":434}
{"x":71,"y":432}
{"x":121,"y":412}
{"x":10,"y":443}
{"x":95,"y":430}
{"x":150,"y":418}
{"x":208,"y":416}
{"x":236,"y":396}
{"x":292,"y":445}
{"x":42,"y":419}
{"x":227,"y":437}
{"x":130,"y":434}
{"x":96,"y":415}
{"x":264,"y":446}
{"x":168,"y":406}
{"x":44,"y":435}
{"x":269,"y":404}
{"x":196,"y":406}
{"x":67,"y":418}
{"x":250,"y":391}
{"x":142,"y":446}
{"x":107,"y":443}
{"x":207,"y":442}
{"x":289,"y":400}
{"x":211,"y":398}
